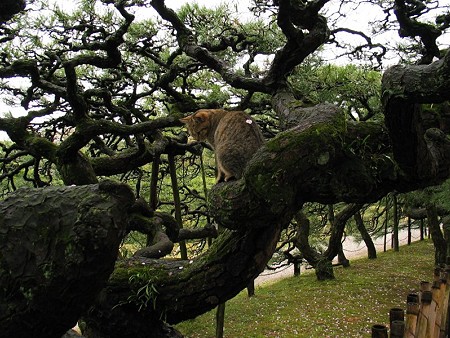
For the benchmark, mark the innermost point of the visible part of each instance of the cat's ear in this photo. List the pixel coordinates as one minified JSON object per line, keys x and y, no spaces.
{"x":200,"y":116}
{"x":185,"y":119}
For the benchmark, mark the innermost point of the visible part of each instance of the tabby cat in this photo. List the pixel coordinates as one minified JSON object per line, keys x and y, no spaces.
{"x":234,"y":135}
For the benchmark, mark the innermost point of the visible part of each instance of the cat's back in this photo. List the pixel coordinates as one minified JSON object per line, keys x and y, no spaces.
{"x":238,"y":129}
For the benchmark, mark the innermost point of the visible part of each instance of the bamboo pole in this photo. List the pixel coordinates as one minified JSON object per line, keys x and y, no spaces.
{"x":397,"y":322}
{"x":434,"y":308}
{"x":397,"y":329}
{"x":438,"y":298}
{"x":423,"y":326}
{"x":396,"y":314}
{"x":412,"y":311}
{"x":444,"y":316}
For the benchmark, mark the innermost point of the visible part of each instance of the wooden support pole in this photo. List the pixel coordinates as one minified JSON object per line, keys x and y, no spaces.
{"x":409,"y":231}
{"x":297,"y":268}
{"x":220,"y":320}
{"x":177,"y":202}
{"x":251,"y":288}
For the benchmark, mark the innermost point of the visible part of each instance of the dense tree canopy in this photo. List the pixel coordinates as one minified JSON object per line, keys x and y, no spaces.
{"x":97,"y":90}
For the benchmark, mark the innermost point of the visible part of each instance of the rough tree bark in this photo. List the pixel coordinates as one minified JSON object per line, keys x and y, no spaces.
{"x":420,"y":146}
{"x":58,"y":246}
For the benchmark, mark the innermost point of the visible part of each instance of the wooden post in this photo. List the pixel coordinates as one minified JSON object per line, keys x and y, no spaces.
{"x":379,"y":331}
{"x":424,"y":286}
{"x":412,"y":298}
{"x":421,"y":229}
{"x":220,"y":320}
{"x":438,"y":293}
{"x":409,"y":231}
{"x":297,"y":267}
{"x":386,"y":224}
{"x":251,"y":288}
{"x":395,"y":240}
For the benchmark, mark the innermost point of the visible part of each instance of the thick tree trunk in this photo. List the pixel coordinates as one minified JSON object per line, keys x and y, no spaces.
{"x":58,"y":247}
{"x":420,"y":144}
{"x":182,"y":289}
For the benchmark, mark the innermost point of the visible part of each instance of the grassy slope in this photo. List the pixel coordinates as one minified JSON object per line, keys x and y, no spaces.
{"x":346,"y":307}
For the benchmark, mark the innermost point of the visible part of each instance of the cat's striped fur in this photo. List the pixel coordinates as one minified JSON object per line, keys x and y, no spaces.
{"x":234,"y":135}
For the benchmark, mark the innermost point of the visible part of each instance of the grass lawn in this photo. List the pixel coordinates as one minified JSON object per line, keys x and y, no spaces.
{"x":346,"y":307}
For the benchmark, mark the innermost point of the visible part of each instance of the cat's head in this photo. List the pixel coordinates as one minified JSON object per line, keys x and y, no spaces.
{"x":198,"y":124}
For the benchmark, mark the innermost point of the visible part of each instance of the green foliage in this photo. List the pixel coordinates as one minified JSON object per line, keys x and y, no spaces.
{"x":222,"y":23}
{"x":15,"y":173}
{"x":193,"y":197}
{"x":355,"y":89}
{"x":199,"y":18}
{"x":143,"y":292}
{"x":143,"y":295}
{"x":436,"y":195}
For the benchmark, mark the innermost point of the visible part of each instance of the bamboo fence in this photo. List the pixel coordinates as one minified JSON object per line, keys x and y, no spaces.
{"x":427,"y":312}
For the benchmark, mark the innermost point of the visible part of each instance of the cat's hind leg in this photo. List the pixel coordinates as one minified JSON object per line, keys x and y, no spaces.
{"x":223,"y":175}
